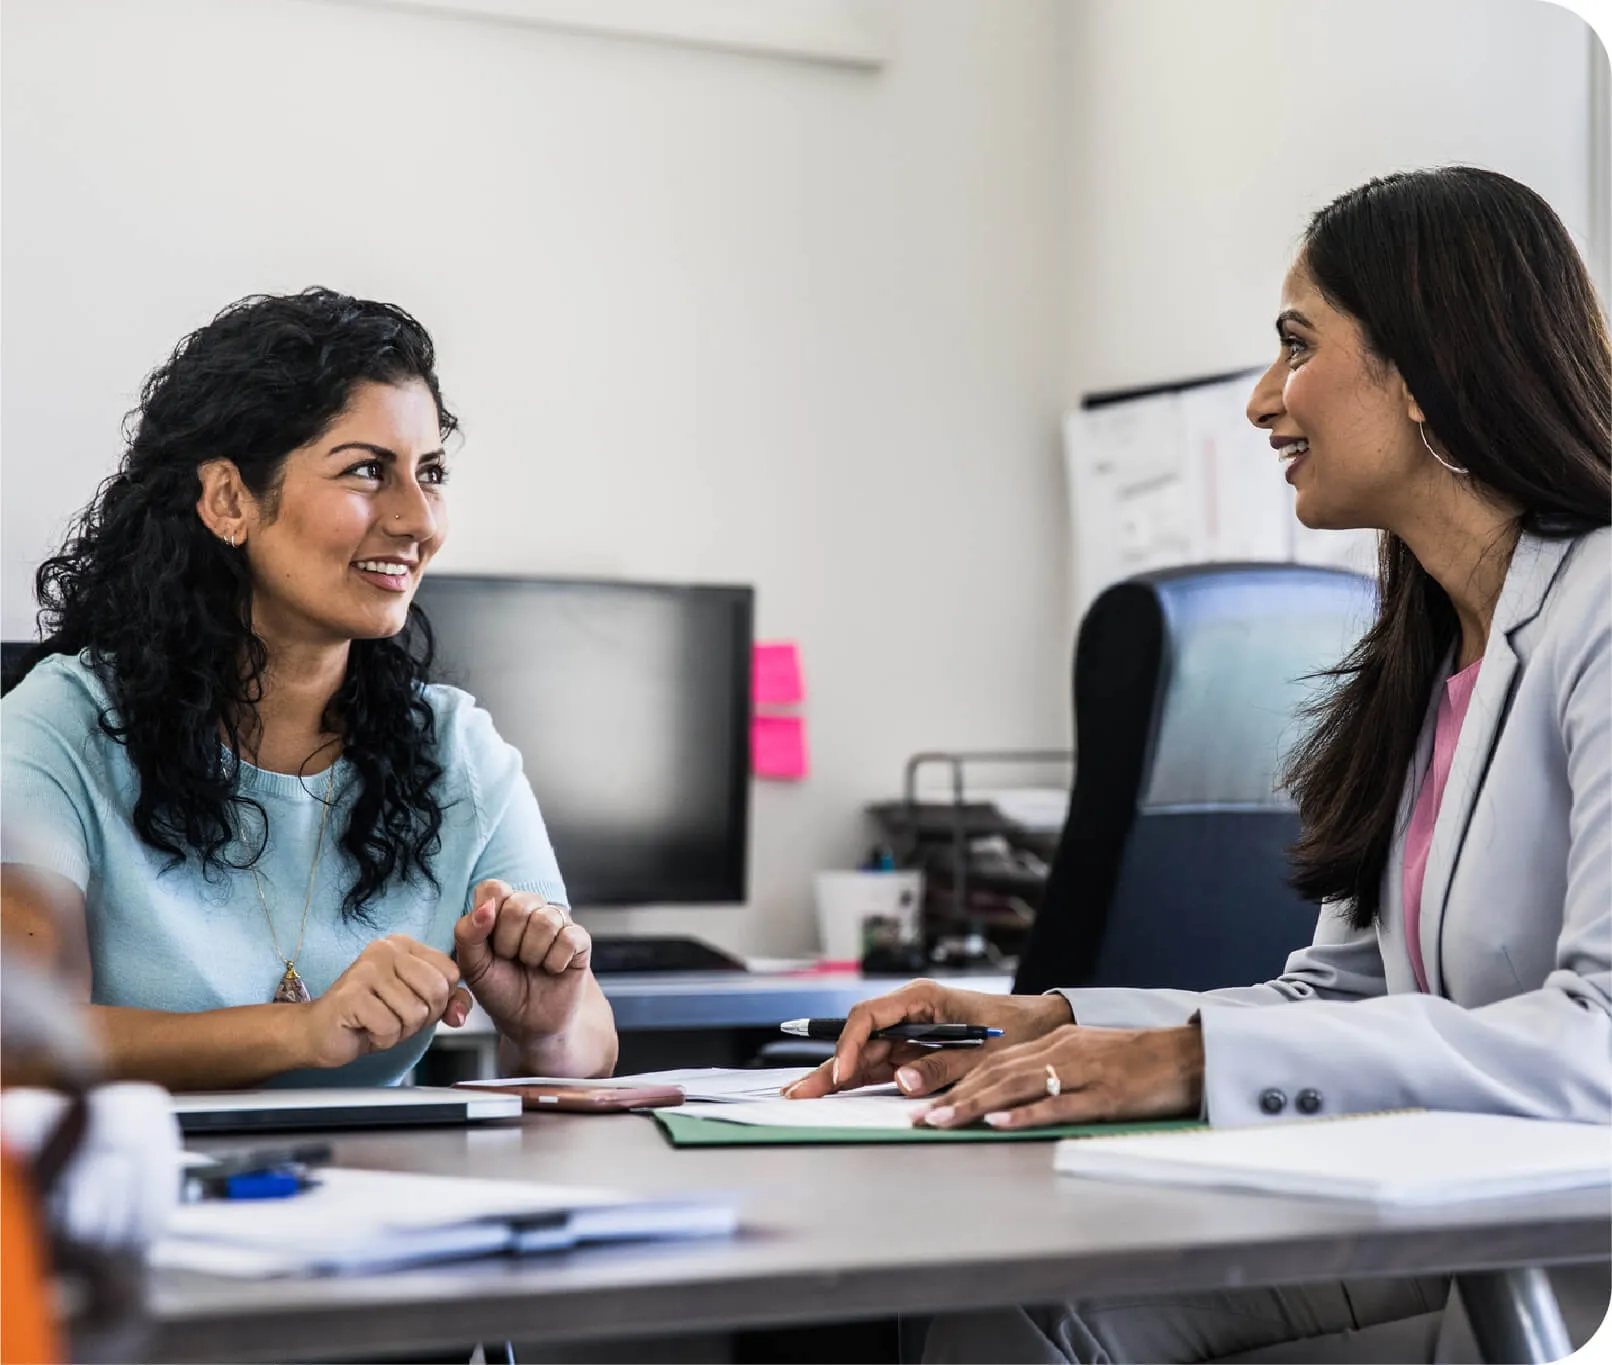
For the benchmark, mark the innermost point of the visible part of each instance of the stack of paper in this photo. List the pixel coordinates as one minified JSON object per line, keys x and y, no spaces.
{"x":872,"y":1106}
{"x":1416,"y":1157}
{"x":368,"y":1221}
{"x":713,"y":1084}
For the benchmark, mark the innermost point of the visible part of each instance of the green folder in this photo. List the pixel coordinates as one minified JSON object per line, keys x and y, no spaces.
{"x":691,"y":1130}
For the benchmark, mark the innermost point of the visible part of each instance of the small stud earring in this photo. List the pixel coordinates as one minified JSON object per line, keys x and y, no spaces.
{"x":1453,"y":468}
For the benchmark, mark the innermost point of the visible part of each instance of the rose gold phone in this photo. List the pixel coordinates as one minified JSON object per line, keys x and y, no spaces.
{"x":582,"y":1098}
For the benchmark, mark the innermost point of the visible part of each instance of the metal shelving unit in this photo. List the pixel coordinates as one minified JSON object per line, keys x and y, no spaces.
{"x":941,"y":838}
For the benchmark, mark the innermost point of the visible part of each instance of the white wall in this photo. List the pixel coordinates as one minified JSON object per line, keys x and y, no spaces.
{"x":705,"y":316}
{"x":1204,"y":135}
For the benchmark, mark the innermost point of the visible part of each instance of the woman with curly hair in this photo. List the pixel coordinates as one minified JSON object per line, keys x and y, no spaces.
{"x":270,"y":830}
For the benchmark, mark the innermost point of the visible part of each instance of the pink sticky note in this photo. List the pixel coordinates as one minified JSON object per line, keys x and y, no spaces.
{"x":778,"y":747}
{"x":775,"y":675}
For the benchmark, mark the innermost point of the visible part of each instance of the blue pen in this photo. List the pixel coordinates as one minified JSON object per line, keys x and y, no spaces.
{"x":281,"y":1184}
{"x":264,"y":1173}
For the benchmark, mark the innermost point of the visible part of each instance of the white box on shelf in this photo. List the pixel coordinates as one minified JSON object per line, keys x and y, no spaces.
{"x":846,"y":900}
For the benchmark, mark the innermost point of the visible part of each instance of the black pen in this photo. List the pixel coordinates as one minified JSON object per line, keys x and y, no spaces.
{"x":939,"y":1035}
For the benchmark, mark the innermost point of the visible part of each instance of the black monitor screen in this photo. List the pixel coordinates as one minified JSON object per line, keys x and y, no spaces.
{"x":630,"y":705}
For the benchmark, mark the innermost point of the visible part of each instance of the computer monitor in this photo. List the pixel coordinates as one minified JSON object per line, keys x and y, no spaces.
{"x":630,"y":705}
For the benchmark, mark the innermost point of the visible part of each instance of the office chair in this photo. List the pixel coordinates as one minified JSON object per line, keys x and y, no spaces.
{"x":1172,"y":866}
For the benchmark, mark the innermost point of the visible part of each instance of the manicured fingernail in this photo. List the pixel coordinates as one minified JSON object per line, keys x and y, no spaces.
{"x":836,"y":1071}
{"x":1000,"y":1119}
{"x":908,"y":1079}
{"x":938,"y":1118}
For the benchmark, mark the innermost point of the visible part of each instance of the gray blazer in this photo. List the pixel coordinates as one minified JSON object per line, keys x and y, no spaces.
{"x":1516,"y":924}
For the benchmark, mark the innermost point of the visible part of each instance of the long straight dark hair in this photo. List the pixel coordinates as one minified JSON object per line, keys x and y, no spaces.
{"x":1467,"y":282}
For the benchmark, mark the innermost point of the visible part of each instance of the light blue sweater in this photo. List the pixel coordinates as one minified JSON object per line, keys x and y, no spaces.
{"x":174,"y":939}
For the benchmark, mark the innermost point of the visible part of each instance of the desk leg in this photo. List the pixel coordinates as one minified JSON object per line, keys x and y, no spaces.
{"x":1514,"y":1315}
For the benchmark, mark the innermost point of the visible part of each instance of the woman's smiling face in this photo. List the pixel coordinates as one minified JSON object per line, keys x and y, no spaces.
{"x":337,"y":551}
{"x":1338,"y":416}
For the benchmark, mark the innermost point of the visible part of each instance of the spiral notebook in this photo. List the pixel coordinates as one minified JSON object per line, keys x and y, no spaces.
{"x":1406,"y":1158}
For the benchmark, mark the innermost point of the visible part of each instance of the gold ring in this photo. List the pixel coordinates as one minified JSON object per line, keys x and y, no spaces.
{"x":1054,"y":1085}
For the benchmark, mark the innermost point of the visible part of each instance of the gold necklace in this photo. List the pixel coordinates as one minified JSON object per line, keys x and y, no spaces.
{"x":292,"y":989}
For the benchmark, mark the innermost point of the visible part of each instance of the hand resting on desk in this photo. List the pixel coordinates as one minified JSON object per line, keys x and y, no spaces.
{"x":860,"y":1059}
{"x":1101,"y":1073}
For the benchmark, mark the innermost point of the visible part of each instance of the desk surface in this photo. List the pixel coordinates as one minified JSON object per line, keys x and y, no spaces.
{"x":722,"y":1000}
{"x":834,"y":1233}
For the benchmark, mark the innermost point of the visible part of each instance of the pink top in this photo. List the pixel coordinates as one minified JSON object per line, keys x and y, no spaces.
{"x":1419,"y":840}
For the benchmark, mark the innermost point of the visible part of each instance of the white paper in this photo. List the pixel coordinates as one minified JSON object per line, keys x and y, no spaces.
{"x":1245,"y":503}
{"x":776,"y":966}
{"x":635,"y":1222}
{"x":873,"y":1106}
{"x":1128,"y":482}
{"x":1407,"y":1158}
{"x":354,"y":1256}
{"x":367,"y":1221}
{"x":697,"y":1083}
{"x":351,"y":1203}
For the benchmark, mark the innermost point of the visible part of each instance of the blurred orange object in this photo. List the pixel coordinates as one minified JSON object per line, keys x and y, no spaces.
{"x":28,"y":1335}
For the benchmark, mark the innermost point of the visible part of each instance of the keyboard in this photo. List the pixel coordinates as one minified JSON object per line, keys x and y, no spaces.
{"x":621,"y":953}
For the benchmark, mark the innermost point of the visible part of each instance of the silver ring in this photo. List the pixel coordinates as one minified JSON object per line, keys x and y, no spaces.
{"x":1054,"y":1085}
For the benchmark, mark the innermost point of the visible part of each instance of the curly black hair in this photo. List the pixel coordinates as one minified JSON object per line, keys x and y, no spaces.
{"x":164,"y":608}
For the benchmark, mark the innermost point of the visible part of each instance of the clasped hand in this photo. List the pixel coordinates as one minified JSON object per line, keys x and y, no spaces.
{"x":1102,"y":1073}
{"x":524,"y":960}
{"x":521,"y":958}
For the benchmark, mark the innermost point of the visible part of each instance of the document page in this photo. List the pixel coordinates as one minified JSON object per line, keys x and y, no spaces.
{"x":873,"y":1106}
{"x":714,"y":1083}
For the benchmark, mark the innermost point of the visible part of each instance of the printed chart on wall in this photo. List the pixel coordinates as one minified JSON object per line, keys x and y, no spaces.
{"x":1182,"y":477}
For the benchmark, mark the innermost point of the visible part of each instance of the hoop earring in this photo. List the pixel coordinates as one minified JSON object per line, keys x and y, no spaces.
{"x":1453,"y":468}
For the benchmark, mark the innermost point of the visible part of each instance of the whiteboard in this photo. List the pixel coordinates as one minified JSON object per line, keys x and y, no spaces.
{"x":1183,"y":477}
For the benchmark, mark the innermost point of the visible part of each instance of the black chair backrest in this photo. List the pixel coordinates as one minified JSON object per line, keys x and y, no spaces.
{"x":1172,"y":867}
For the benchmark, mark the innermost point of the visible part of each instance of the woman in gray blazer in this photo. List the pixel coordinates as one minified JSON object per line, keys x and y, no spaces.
{"x":1443,"y":376}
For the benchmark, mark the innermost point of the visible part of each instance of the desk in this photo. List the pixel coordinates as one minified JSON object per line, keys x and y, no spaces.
{"x":711,"y":1002}
{"x":833,"y":1233}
